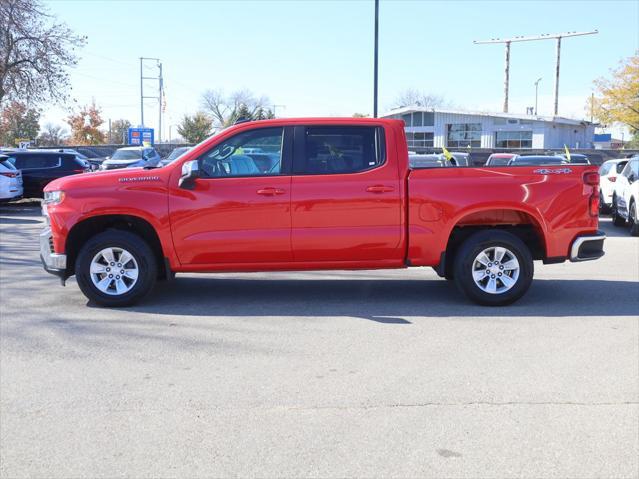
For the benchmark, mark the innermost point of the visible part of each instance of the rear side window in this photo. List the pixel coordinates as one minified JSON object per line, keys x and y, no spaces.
{"x":8,"y":164}
{"x":605,"y":168}
{"x":26,"y":162}
{"x":620,"y":166}
{"x":336,"y":149}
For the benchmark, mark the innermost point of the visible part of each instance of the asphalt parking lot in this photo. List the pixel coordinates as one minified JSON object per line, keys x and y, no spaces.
{"x":340,"y":374}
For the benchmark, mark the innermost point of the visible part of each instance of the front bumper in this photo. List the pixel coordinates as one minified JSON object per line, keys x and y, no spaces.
{"x":52,"y":262}
{"x":588,"y":247}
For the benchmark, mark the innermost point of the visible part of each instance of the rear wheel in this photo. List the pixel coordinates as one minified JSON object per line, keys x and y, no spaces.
{"x":633,"y":219}
{"x":603,"y":207}
{"x":116,"y":268}
{"x":493,"y":268}
{"x":617,"y":220}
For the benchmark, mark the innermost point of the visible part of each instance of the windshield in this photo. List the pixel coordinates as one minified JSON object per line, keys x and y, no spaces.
{"x":127,"y":155}
{"x":177,"y":153}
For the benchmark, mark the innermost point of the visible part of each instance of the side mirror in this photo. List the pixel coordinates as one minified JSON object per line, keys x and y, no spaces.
{"x":107,"y":158}
{"x":190,"y":172}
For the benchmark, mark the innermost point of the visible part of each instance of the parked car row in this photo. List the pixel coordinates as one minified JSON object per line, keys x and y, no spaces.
{"x":496,"y":159}
{"x":513,"y":159}
{"x":24,"y":172}
{"x":625,"y":195}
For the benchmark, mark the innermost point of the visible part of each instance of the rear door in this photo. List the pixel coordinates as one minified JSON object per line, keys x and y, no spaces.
{"x":346,"y":203}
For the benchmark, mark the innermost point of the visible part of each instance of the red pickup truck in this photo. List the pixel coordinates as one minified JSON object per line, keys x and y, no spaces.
{"x":317,"y":194}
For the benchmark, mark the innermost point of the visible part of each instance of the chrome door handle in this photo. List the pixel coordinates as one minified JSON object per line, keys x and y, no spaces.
{"x":379,"y":189}
{"x":270,"y":191}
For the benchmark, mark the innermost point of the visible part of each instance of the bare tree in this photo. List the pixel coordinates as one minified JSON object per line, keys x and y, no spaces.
{"x":35,"y":53}
{"x":227,"y":109}
{"x":414,"y":97}
{"x":52,"y":135}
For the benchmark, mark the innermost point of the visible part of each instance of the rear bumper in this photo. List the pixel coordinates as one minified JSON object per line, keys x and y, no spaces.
{"x":588,"y":247}
{"x":52,"y":262}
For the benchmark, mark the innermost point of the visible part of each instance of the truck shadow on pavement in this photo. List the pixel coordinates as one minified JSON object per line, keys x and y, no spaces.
{"x":382,"y":301}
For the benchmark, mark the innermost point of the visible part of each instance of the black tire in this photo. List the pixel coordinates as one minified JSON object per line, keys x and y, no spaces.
{"x":465,"y":264}
{"x":603,"y":207}
{"x":633,"y":219}
{"x":617,"y":220}
{"x":139,"y":250}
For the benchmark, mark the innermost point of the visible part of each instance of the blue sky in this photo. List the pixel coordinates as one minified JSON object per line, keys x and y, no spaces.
{"x":315,"y":57}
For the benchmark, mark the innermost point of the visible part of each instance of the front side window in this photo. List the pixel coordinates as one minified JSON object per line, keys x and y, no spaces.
{"x":336,"y":149}
{"x":463,"y":135}
{"x":251,"y":153}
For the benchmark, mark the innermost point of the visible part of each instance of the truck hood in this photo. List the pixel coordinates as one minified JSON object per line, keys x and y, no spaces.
{"x":110,"y":179}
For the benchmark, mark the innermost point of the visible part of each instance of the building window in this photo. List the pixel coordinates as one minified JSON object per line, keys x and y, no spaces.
{"x":429,"y":118}
{"x":464,"y":134}
{"x":419,"y":140}
{"x":407,"y":120}
{"x":513,"y":139}
{"x":417,"y":119}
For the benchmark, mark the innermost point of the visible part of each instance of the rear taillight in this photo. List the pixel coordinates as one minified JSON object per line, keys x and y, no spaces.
{"x":9,"y":174}
{"x":612,"y":178}
{"x":591,"y":178}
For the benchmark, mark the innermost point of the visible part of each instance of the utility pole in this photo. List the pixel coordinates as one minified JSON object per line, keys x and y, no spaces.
{"x":506,"y":75}
{"x":376,"y":59}
{"x":543,"y":36}
{"x":536,"y":93}
{"x":141,"y":94}
{"x":160,"y":81}
{"x":160,"y":86}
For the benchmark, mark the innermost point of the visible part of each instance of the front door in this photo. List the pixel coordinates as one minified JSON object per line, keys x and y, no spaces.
{"x":239,"y":210}
{"x":346,"y":196}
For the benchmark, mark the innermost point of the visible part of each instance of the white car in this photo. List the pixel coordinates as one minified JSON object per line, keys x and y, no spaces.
{"x":625,"y":198}
{"x":608,"y":173}
{"x":131,"y":157}
{"x":10,"y":180}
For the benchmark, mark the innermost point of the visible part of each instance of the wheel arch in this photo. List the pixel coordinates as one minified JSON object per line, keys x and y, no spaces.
{"x":89,"y":227}
{"x":526,"y":225}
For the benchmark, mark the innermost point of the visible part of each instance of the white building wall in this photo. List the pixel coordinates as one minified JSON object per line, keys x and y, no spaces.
{"x":545,"y":133}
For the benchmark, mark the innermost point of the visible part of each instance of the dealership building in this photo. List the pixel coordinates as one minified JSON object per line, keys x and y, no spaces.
{"x":429,"y":128}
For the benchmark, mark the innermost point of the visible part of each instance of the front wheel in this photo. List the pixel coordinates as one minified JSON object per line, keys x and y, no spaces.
{"x":493,"y":268}
{"x":116,"y":268}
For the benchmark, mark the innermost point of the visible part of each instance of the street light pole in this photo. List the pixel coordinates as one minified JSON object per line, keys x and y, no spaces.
{"x":376,"y":56}
{"x":536,"y":93}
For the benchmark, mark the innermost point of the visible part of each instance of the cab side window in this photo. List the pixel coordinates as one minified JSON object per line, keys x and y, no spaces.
{"x":251,"y":153}
{"x":338,"y":150}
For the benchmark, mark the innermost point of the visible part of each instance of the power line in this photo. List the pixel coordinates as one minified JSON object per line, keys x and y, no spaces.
{"x":543,"y":36}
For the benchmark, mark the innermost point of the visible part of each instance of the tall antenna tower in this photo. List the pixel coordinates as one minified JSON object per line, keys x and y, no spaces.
{"x":543,"y":36}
